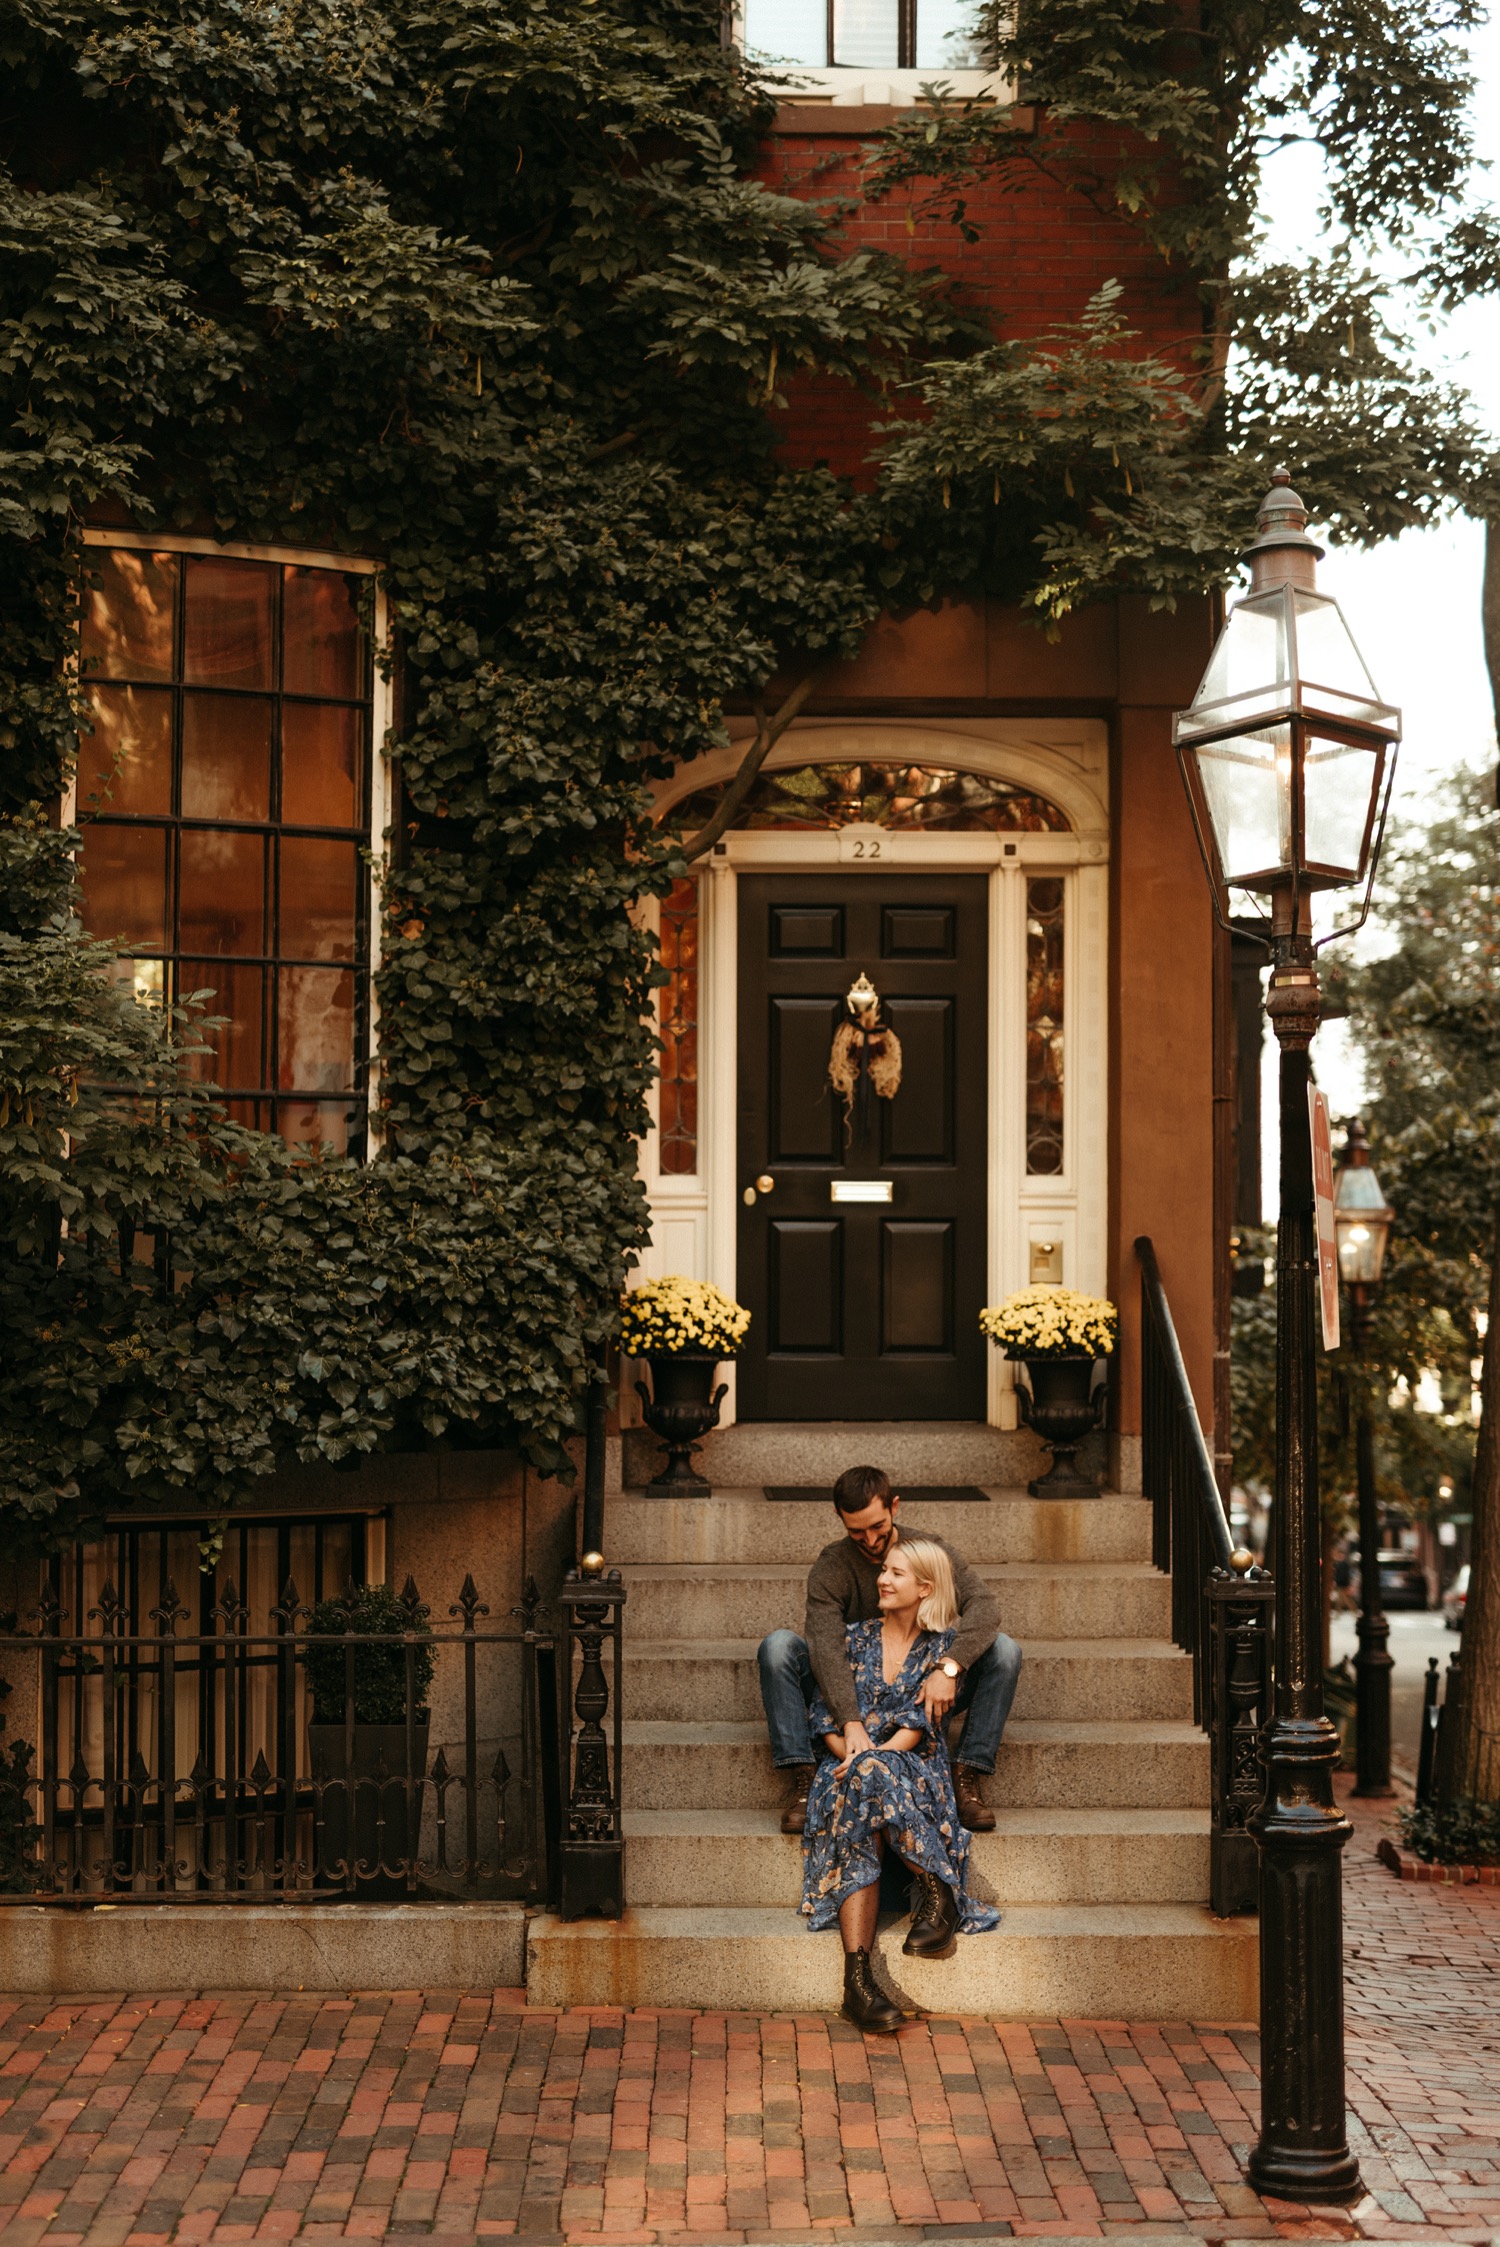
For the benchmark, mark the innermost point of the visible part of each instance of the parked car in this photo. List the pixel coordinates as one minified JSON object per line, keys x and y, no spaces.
{"x":1403,"y":1581}
{"x":1456,"y":1599}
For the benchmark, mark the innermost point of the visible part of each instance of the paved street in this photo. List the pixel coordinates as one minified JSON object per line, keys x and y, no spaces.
{"x":166,"y":2117}
{"x":1414,"y":1637}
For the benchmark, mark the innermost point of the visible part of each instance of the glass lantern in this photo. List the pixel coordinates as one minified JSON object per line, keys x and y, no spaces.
{"x":1287,"y":751}
{"x":1362,"y":1218}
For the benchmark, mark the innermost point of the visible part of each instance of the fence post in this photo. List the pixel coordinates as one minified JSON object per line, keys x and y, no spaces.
{"x":593,"y":1846}
{"x":1241,"y":1602}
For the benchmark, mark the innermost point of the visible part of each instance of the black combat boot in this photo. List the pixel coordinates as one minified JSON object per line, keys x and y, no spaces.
{"x":933,"y":1932}
{"x":865,"y":2002}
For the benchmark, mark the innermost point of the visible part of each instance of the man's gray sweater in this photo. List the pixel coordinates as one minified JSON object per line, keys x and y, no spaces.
{"x":841,"y":1589}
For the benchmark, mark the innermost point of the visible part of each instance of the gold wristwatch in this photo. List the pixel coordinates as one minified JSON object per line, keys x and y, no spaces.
{"x":950,"y":1668}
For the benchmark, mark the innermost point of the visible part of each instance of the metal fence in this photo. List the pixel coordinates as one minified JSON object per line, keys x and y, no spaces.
{"x":359,"y":1748}
{"x":1222,"y":1605}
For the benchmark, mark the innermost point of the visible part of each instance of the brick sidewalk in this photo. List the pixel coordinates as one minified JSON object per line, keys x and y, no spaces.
{"x":159,"y":2118}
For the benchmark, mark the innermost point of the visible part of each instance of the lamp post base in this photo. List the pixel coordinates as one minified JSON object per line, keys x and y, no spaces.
{"x":1286,"y":2173}
{"x":1303,"y":2150}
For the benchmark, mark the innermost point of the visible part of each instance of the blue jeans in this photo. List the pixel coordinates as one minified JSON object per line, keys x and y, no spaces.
{"x":985,"y":1693}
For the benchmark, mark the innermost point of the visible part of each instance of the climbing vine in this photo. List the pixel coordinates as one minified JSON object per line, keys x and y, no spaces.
{"x":491,"y":294}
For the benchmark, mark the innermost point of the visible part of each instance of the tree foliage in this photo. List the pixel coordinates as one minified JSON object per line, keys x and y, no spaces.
{"x":1427,"y":1018}
{"x":1166,"y":119}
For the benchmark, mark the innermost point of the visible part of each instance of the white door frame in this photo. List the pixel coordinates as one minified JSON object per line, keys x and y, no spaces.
{"x":695,"y":1220}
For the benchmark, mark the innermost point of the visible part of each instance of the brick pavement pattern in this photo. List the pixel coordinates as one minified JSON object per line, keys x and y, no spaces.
{"x":157,"y":2118}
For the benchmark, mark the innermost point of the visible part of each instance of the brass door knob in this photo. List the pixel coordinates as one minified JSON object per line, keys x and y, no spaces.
{"x":764,"y":1183}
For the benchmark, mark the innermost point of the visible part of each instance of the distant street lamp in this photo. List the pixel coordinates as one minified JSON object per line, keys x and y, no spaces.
{"x":1288,"y":755}
{"x":1362,"y":1222}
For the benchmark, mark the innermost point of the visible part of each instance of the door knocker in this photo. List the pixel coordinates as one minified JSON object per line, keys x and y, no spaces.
{"x":866,"y":1056}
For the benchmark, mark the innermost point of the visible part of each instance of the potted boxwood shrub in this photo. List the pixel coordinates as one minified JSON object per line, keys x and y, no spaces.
{"x":683,"y":1329}
{"x":379,"y":1833}
{"x":1064,"y":1341}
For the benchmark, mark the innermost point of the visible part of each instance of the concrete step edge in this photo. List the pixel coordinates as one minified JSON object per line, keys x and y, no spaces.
{"x":1017,"y":1822}
{"x":769,"y":1922}
{"x":1131,"y":1732}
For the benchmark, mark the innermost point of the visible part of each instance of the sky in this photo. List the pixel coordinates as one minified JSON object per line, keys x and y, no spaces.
{"x":1413,"y":604}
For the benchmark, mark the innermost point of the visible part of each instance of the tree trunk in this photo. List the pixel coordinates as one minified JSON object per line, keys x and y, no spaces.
{"x":1469,"y":1767}
{"x":1489,"y":613}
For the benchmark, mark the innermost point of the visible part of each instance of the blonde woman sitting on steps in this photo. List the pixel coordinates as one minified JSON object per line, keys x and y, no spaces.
{"x":895,"y":1794}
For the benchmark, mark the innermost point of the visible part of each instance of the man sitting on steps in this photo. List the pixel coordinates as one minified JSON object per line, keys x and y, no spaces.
{"x":979,"y":1676}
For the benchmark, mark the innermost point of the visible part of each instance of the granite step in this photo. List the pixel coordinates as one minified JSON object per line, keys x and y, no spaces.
{"x":690,"y":1680}
{"x":1134,"y":1962}
{"x":1043,"y":1765}
{"x":747,"y":1527}
{"x":1038,"y":1600}
{"x":757,"y":1452}
{"x":741,"y":1857}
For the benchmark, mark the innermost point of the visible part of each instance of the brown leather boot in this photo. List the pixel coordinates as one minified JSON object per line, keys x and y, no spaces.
{"x":973,"y":1811}
{"x":794,"y":1817}
{"x":865,"y":2002}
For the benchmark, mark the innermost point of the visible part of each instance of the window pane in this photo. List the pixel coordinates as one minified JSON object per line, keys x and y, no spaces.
{"x":866,"y":33}
{"x":321,"y":651}
{"x":221,"y":905}
{"x":1044,"y":1027}
{"x":124,"y":873}
{"x":787,"y":31}
{"x":315,"y":1019}
{"x":226,"y":756}
{"x":125,"y":764}
{"x":306,"y":1123}
{"x":317,"y":899}
{"x":947,"y":35}
{"x":236,"y":1059}
{"x":128,"y":616}
{"x":228,"y":625}
{"x":145,"y":980}
{"x":320,"y":761}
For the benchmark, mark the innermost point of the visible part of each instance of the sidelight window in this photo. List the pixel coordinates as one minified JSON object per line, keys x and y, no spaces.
{"x":678,"y":1087}
{"x":223,"y":796}
{"x":936,"y":35}
{"x":1044,"y":1026}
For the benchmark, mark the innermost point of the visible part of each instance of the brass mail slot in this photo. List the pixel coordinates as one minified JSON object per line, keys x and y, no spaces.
{"x":860,"y":1190}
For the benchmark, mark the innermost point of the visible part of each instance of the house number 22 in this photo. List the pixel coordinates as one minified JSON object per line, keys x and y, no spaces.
{"x":864,"y":846}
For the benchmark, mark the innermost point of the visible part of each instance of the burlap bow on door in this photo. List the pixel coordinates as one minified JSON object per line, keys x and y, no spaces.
{"x":866,"y":1056}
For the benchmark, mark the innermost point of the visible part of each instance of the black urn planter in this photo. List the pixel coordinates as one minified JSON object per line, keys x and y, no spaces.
{"x":680,"y":1407}
{"x":377,"y":1834}
{"x":1063,"y":1399}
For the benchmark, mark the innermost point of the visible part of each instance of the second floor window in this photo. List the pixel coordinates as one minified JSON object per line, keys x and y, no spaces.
{"x":223,"y":795}
{"x":935,"y":35}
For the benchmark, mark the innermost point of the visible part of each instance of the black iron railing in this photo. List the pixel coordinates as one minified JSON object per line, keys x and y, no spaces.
{"x":258,"y":1759}
{"x":1221,"y":1602}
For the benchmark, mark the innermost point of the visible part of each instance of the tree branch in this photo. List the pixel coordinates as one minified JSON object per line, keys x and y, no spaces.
{"x":768,"y":732}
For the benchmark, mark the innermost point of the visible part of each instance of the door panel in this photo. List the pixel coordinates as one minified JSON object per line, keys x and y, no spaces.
{"x":917,"y":1126}
{"x":917,"y":1289}
{"x":805,"y":1126}
{"x":806,"y":1286}
{"x":863,"y":1309}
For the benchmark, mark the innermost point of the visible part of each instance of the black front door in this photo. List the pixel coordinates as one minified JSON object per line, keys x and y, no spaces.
{"x":863,"y":1308}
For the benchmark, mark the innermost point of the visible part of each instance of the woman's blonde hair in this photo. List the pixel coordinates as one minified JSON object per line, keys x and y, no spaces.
{"x":930,"y":1565}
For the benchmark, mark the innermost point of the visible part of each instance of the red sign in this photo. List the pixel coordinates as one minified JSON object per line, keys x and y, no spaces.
{"x":1328,"y":1253}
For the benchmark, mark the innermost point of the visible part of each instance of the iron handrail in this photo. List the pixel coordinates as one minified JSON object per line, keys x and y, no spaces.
{"x":1221,"y":1602}
{"x":1199,"y":1459}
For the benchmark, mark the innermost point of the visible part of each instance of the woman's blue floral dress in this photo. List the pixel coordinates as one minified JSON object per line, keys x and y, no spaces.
{"x":905,"y":1792}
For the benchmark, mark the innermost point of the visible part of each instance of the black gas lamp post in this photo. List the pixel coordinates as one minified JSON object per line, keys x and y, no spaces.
{"x":1288,"y":755}
{"x":1362,"y":1220}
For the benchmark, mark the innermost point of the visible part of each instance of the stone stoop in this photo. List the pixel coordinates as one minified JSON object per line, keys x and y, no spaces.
{"x":1100,"y":1857}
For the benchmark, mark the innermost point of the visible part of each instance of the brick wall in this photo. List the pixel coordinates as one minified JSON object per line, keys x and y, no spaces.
{"x":1044,"y":249}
